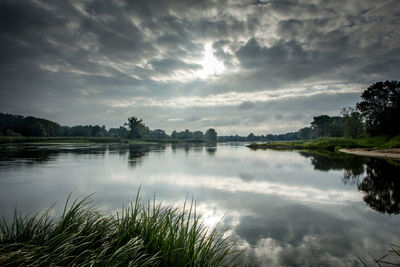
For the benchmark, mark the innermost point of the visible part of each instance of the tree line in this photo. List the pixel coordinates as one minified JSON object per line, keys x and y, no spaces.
{"x":350,"y":124}
{"x":376,"y":114}
{"x":134,"y":128}
{"x":17,"y":125}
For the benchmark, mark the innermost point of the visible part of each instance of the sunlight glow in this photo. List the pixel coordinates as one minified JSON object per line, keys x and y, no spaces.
{"x":211,"y":65}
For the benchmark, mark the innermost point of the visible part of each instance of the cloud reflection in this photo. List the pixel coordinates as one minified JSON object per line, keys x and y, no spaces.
{"x":279,"y":205}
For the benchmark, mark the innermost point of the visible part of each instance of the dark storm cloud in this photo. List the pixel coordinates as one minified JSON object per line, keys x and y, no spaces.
{"x":283,"y":61}
{"x":61,"y":58}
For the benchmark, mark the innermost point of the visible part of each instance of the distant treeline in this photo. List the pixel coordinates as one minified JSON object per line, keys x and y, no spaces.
{"x":17,"y":125}
{"x":377,"y":114}
{"x":349,"y":125}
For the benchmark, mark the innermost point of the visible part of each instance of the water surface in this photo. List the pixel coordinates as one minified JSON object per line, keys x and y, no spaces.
{"x":282,"y":206}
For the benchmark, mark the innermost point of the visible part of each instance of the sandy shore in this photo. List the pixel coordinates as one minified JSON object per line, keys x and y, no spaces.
{"x":393,"y":153}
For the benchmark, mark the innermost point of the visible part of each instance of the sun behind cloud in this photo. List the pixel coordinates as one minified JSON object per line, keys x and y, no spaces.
{"x":211,"y":66}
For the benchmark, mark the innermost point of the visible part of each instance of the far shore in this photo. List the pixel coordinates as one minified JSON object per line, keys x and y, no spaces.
{"x":392,"y":153}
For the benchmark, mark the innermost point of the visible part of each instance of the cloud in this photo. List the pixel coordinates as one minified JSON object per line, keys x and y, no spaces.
{"x":59,"y":59}
{"x":246,"y":105}
{"x":169,"y":65}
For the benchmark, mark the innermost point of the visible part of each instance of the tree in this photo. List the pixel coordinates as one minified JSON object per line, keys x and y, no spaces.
{"x":134,"y":125}
{"x":198,"y":135}
{"x":353,"y":125}
{"x":159,"y":134}
{"x":174,"y":134}
{"x":381,"y":107}
{"x":211,"y":134}
{"x":251,"y":137}
{"x":305,"y":133}
{"x":325,"y":125}
{"x":119,"y":132}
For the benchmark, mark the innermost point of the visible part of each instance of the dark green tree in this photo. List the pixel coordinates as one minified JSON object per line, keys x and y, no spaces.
{"x":159,"y":134}
{"x":381,"y":108}
{"x":174,"y":134}
{"x":28,"y":126}
{"x":198,"y":135}
{"x":320,"y":125}
{"x":211,"y":134}
{"x":353,"y":125}
{"x":305,"y":133}
{"x":119,"y":132}
{"x":251,"y":137}
{"x":326,"y":126}
{"x":134,"y":125}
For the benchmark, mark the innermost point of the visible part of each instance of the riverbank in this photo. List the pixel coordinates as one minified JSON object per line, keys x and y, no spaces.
{"x":334,"y":144}
{"x":83,"y":139}
{"x":142,"y":235}
{"x":393,"y":153}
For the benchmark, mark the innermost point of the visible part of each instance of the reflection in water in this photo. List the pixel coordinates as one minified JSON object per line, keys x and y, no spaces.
{"x":353,"y":166}
{"x":136,"y":154}
{"x":211,"y":149}
{"x":280,"y":207}
{"x":377,"y":178}
{"x":193,"y":147}
{"x":382,"y":186}
{"x":26,"y":155}
{"x":41,"y":154}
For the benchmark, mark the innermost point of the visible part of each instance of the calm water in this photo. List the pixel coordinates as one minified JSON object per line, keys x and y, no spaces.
{"x":282,"y":206}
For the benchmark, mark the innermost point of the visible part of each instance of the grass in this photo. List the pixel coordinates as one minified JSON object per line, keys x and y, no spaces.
{"x":334,"y":144}
{"x":141,"y":235}
{"x":391,"y":258}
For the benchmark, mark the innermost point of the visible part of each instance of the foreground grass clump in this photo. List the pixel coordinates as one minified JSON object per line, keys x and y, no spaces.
{"x":142,"y":235}
{"x":391,"y":258}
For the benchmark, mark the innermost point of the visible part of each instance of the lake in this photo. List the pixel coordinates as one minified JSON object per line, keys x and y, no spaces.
{"x":284,"y":207}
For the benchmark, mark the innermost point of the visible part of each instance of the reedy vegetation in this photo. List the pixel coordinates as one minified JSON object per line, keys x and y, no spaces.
{"x":334,"y":144}
{"x":141,"y":235}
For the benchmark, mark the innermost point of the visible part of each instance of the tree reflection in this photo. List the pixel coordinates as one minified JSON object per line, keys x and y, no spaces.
{"x":190,"y":147}
{"x":211,"y":149}
{"x":42,"y":154}
{"x":382,"y":186}
{"x":379,"y":179}
{"x":136,"y":153}
{"x":354,"y":167}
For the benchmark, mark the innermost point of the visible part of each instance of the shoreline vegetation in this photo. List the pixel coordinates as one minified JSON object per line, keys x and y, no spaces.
{"x":84,"y":139}
{"x":377,"y":146}
{"x":373,"y":116}
{"x":17,"y":128}
{"x":148,"y":234}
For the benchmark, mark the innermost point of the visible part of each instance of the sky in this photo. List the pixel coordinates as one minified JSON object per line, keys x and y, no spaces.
{"x":266,"y":66}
